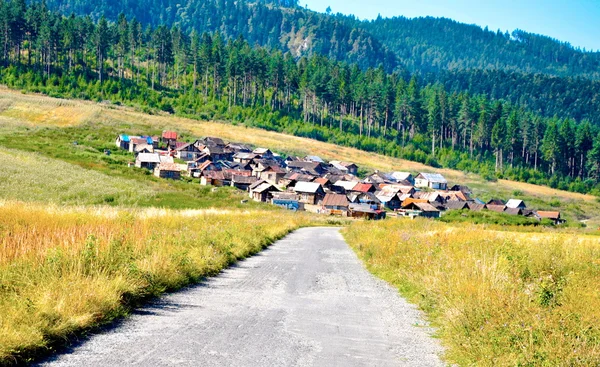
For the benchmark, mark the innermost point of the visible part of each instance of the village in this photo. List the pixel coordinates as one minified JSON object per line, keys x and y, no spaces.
{"x":310,"y":183}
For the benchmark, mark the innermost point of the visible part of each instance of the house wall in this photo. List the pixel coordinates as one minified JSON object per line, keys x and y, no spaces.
{"x":173,"y":175}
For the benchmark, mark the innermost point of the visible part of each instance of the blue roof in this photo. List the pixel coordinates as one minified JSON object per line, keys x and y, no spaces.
{"x":124,"y":137}
{"x":149,"y":140}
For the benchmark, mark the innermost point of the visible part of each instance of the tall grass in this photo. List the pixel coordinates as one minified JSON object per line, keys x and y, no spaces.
{"x":497,"y":298}
{"x":64,"y":270}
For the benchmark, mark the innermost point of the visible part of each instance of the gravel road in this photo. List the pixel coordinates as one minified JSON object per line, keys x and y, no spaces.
{"x":305,"y":301}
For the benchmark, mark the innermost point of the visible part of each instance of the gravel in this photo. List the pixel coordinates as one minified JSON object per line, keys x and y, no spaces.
{"x":305,"y":301}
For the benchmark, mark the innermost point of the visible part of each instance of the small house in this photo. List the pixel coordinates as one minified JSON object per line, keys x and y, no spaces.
{"x":337,"y":204}
{"x":422,"y":210}
{"x":188,"y":152}
{"x":403,"y":176}
{"x":389,"y":199}
{"x":552,"y":215}
{"x":147,"y":160}
{"x":263,"y":152}
{"x":365,"y":211}
{"x":310,"y":192}
{"x":122,"y":142}
{"x":457,"y":205}
{"x":213,"y":178}
{"x":433,"y":181}
{"x":242,"y":182}
{"x":169,"y":138}
{"x":262,"y":191}
{"x":515,"y":203}
{"x":495,"y":202}
{"x":513,"y":211}
{"x":168,"y":170}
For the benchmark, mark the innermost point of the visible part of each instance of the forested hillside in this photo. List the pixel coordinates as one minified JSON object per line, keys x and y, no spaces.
{"x":522,"y":68}
{"x":205,"y":76}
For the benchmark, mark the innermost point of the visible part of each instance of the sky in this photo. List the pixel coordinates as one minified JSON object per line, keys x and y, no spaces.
{"x":575,"y":21}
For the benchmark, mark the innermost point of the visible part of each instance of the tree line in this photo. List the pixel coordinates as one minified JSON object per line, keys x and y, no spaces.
{"x":209,"y":76}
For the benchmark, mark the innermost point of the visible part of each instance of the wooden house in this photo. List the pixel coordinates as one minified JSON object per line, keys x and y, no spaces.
{"x":336,"y":203}
{"x":310,"y":192}
{"x":262,"y":191}
{"x":516,"y":203}
{"x":554,"y":216}
{"x":242,"y":182}
{"x":213,"y":178}
{"x":365,"y":211}
{"x":188,"y":152}
{"x":422,"y":210}
{"x":169,"y":138}
{"x":168,"y":170}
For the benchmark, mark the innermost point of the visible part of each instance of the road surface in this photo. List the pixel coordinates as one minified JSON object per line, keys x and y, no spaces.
{"x":305,"y":301}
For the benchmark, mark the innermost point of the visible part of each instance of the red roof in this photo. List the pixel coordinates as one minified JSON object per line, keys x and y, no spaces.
{"x":169,"y":135}
{"x":362,"y":187}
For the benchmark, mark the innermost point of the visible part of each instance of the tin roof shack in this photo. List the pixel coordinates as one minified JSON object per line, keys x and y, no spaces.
{"x":323,"y":182}
{"x":168,"y":170}
{"x":457,"y":205}
{"x":218,"y":153}
{"x":143,"y":148}
{"x":496,"y":208}
{"x":122,"y":141}
{"x":287,"y":200}
{"x":515,"y":203}
{"x":242,"y":182}
{"x":553,"y":216}
{"x":365,"y":211}
{"x":310,"y":192}
{"x":364,"y":187}
{"x":244,"y":157}
{"x":513,"y":211}
{"x":271,"y":173}
{"x":262,"y":191}
{"x":336,"y":204}
{"x":147,"y":160}
{"x":135,"y":141}
{"x":425,"y":210}
{"x":475,"y":207}
{"x":433,"y":181}
{"x":390,"y":198}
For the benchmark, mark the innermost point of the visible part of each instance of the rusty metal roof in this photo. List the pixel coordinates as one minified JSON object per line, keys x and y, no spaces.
{"x":335,"y":200}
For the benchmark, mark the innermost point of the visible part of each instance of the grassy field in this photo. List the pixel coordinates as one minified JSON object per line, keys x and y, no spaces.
{"x":50,"y":126}
{"x":64,"y":270}
{"x":498,"y":298}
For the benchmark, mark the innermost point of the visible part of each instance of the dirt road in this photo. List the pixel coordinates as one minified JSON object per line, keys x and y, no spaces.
{"x":305,"y":301}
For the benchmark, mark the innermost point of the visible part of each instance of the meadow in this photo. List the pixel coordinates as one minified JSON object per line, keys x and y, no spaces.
{"x":497,"y":298}
{"x":65,"y":270}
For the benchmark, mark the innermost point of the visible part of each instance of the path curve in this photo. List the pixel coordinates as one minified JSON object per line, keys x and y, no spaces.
{"x":305,"y":301}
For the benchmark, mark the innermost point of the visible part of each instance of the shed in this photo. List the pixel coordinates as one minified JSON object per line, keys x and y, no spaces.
{"x":310,"y":192}
{"x":168,"y":170}
{"x":147,"y":160}
{"x":554,"y":216}
{"x":122,"y":141}
{"x":263,"y":191}
{"x":516,"y":203}
{"x":336,"y":203}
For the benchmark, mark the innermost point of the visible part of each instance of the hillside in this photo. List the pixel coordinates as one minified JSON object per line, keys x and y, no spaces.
{"x":37,"y":117}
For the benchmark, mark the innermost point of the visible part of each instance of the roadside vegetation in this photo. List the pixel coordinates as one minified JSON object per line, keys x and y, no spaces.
{"x":498,"y":298}
{"x":66,"y":270}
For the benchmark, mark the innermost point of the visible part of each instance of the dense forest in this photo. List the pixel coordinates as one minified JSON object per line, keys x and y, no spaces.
{"x":522,"y":68}
{"x":207,"y":76}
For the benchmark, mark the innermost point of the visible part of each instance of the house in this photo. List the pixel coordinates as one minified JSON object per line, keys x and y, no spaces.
{"x":147,"y":160}
{"x":513,"y":211}
{"x":365,"y":211}
{"x":431,"y":197}
{"x":433,"y":181}
{"x":188,"y":152}
{"x":169,"y":138}
{"x":168,"y":170}
{"x":323,"y":182}
{"x":212,"y":142}
{"x":242,"y":182}
{"x":310,"y":192}
{"x":343,"y":187}
{"x":515,"y":203}
{"x":312,"y":168}
{"x":314,"y":158}
{"x":263,"y":152}
{"x":495,"y":202}
{"x":403,"y":176}
{"x":143,"y":148}
{"x":379,"y":178}
{"x":475,"y":207}
{"x":364,"y":198}
{"x":349,"y":167}
{"x":389,"y":199}
{"x":461,"y":188}
{"x":218,"y":153}
{"x":272,"y":173}
{"x":238,"y":148}
{"x":363,"y":187}
{"x":409,"y":201}
{"x":287,"y":200}
{"x":422,"y":210}
{"x":134,"y":142}
{"x":495,"y":208}
{"x":336,"y":203}
{"x":244,"y":157}
{"x":553,"y":216}
{"x":122,"y":142}
{"x":262,"y":191}
{"x":457,"y":205}
{"x":213,"y":178}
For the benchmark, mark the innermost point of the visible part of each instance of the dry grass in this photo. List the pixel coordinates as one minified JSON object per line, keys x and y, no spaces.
{"x":498,"y":298}
{"x":65,"y":270}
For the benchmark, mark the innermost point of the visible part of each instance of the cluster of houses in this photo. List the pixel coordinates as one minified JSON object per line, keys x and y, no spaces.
{"x":309,"y":183}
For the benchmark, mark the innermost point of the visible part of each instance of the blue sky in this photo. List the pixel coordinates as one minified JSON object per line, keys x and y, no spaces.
{"x":576,"y":21}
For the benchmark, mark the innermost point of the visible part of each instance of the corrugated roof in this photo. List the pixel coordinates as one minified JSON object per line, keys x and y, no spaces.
{"x":335,"y":200}
{"x":362,"y":187}
{"x":433,"y":177}
{"x":124,"y":137}
{"x":169,"y":135}
{"x":347,"y":185}
{"x":148,"y":157}
{"x":549,"y":215}
{"x":308,"y":187}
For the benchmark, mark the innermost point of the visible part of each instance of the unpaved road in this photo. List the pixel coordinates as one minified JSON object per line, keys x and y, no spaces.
{"x":305,"y":301}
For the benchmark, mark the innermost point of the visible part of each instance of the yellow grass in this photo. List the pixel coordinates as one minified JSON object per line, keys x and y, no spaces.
{"x":497,"y":298}
{"x":64,"y":270}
